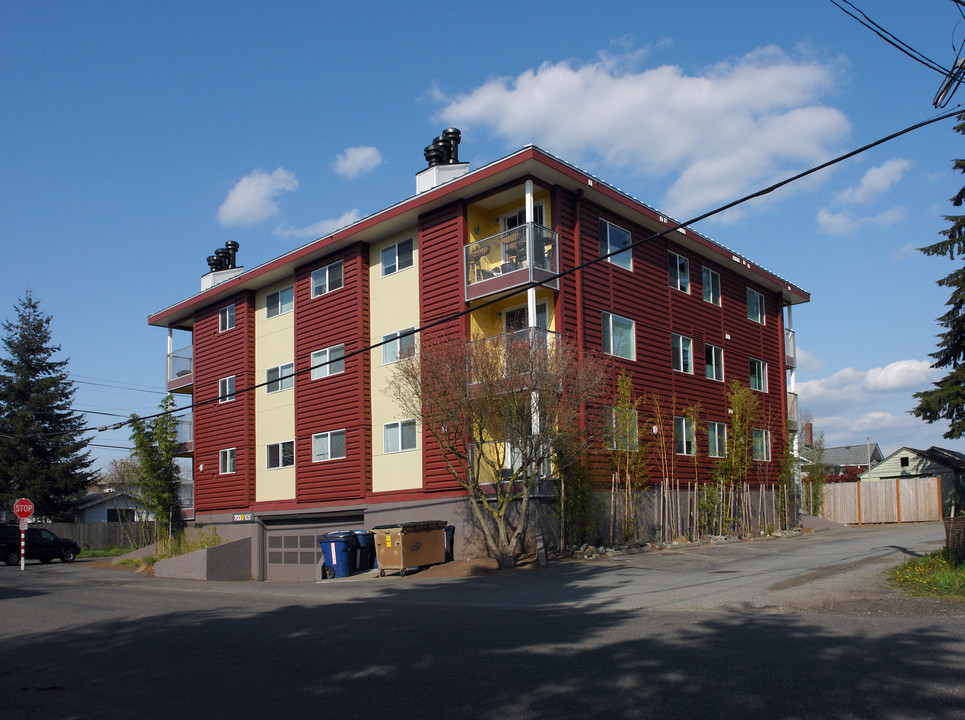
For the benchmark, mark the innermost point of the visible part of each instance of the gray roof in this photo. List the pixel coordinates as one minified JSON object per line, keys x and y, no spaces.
{"x":851,"y":455}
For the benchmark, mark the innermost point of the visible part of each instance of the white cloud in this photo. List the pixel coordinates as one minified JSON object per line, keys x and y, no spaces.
{"x":848,"y":388}
{"x":319,"y":229}
{"x":722,"y":133}
{"x":877,"y":181}
{"x":808,"y":361}
{"x":844,"y":223}
{"x":251,"y":200}
{"x":355,"y":161}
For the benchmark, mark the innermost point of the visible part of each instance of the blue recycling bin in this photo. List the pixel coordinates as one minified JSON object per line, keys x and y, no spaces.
{"x":338,"y":550}
{"x":365,"y":551}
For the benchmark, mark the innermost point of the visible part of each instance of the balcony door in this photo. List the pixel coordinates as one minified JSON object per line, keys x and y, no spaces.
{"x":515,"y":319}
{"x":514,"y":246}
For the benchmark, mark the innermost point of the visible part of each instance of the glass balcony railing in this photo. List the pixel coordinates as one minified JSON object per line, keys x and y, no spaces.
{"x":180,"y":369}
{"x":790,"y":349}
{"x":792,"y":416}
{"x":524,"y":254}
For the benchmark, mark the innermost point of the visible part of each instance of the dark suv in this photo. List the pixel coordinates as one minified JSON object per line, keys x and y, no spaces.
{"x":42,"y":545}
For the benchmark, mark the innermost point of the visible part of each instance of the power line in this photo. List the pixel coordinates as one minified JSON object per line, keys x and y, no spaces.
{"x":515,"y":291}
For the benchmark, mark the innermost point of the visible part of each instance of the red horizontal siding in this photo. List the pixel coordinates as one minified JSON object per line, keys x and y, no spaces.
{"x":337,"y":402}
{"x":217,"y":425}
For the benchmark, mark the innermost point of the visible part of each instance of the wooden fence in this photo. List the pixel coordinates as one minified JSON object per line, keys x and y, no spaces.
{"x":883,"y":501}
{"x":101,"y":534}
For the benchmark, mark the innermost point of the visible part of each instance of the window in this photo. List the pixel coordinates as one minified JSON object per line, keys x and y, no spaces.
{"x":280,"y":378}
{"x":755,"y":306}
{"x":761,"y":444}
{"x":623,"y":429}
{"x":397,"y":257}
{"x":326,"y":279}
{"x":904,"y":462}
{"x":683,"y":436}
{"x":683,"y":354}
{"x":226,"y":389}
{"x":328,"y":362}
{"x":281,"y":455}
{"x":711,"y":283}
{"x":714,"y":362}
{"x":328,"y":446}
{"x":679,"y":269}
{"x":619,"y":336}
{"x":226,"y":318}
{"x":397,"y":347}
{"x":758,"y":375}
{"x":398,"y":436}
{"x":280,"y":302}
{"x":226,"y":461}
{"x":613,"y":238}
{"x":716,"y":439}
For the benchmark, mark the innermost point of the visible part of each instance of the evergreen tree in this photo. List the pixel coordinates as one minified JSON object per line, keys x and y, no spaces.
{"x":43,"y":453}
{"x":946,"y":401}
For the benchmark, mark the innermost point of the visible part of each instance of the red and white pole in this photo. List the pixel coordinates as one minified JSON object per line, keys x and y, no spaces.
{"x":23,"y":509}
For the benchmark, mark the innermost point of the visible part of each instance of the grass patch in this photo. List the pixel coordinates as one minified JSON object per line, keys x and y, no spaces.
{"x":109,"y":551}
{"x":938,"y":574}
{"x":137,"y":562}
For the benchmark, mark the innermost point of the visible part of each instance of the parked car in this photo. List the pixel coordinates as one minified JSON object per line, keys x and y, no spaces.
{"x":42,"y":545}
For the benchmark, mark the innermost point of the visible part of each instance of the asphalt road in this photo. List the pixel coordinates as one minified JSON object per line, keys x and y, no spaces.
{"x":796,"y":628}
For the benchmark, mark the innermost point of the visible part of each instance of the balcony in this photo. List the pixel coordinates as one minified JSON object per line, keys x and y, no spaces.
{"x":790,"y":349}
{"x":180,"y":370}
{"x":792,"y":416}
{"x":522,"y":352}
{"x":524,"y":254}
{"x":185,"y":436}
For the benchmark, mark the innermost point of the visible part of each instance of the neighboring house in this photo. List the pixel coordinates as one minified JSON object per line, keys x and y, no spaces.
{"x":328,"y":449}
{"x":851,"y":460}
{"x":109,"y":507}
{"x":946,"y":465}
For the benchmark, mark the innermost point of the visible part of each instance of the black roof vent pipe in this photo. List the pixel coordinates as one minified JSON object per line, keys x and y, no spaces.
{"x":452,"y":136}
{"x":444,"y":150}
{"x":213,"y":263}
{"x":232,"y":247}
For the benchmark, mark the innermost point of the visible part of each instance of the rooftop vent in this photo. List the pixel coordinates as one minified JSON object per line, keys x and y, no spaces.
{"x":222,"y":265}
{"x":443,"y":158}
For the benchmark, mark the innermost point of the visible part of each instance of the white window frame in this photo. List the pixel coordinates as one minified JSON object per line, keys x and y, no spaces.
{"x":327,"y":437}
{"x":285,"y":379}
{"x":683,"y":427}
{"x":401,"y":426}
{"x":329,"y":365}
{"x":226,"y":461}
{"x":226,"y":389}
{"x":714,"y":370}
{"x":710,"y":279}
{"x":682,"y":350}
{"x":716,"y":439}
{"x":281,"y":447}
{"x":616,"y":439}
{"x":761,"y":444}
{"x":392,"y":252}
{"x":755,"y":306}
{"x":608,"y":347}
{"x":280,"y":302}
{"x":679,"y":279}
{"x":323,"y":277}
{"x":394,"y":345}
{"x":762,"y":367}
{"x":622,"y":259}
{"x":226,"y":318}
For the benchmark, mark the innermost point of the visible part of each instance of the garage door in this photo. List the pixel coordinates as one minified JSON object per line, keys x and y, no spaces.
{"x":291,"y":546}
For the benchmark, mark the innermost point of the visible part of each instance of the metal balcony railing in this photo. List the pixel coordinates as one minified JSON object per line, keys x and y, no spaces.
{"x":527,"y":253}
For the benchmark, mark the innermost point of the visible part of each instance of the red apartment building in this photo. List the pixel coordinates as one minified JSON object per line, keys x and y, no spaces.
{"x":306,"y":452}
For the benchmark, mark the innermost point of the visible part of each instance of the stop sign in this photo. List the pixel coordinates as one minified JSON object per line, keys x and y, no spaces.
{"x":23,"y":508}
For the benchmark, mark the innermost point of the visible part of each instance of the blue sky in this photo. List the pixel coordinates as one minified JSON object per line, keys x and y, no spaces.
{"x":135,"y":138}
